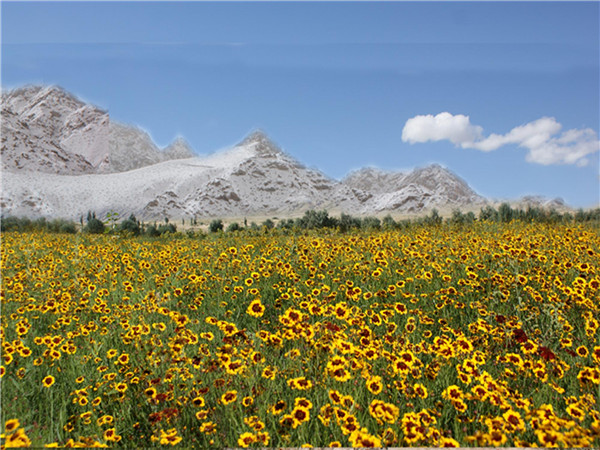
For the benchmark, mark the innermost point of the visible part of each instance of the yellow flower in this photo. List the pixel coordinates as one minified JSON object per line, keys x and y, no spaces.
{"x":299,"y":415}
{"x":11,"y":425}
{"x":170,"y":437}
{"x":111,"y":435}
{"x":255,"y":308}
{"x":420,"y":390}
{"x":199,"y":402}
{"x":300,"y":383}
{"x":448,"y":442}
{"x":576,"y":412}
{"x":246,"y":439}
{"x":374,"y":385}
{"x":229,"y":397}
{"x":514,"y":420}
{"x":48,"y":381}
{"x":208,"y":428}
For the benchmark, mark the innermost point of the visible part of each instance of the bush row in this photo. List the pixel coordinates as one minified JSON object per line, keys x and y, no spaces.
{"x":93,"y":225}
{"x":505,"y":213}
{"x":311,"y":220}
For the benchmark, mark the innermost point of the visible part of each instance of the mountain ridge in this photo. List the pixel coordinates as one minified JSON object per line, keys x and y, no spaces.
{"x":62,"y":157}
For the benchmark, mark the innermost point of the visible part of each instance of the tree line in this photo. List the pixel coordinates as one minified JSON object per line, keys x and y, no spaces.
{"x":92,"y":225}
{"x":311,"y":220}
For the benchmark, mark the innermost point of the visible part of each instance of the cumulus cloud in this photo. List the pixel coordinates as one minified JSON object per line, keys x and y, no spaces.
{"x":457,"y":129}
{"x":541,"y":137}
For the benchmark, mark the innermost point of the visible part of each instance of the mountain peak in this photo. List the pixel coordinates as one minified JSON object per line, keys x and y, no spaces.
{"x":255,"y":137}
{"x":261,"y":143}
{"x":52,"y":91}
{"x":433,"y":167}
{"x":179,"y":148}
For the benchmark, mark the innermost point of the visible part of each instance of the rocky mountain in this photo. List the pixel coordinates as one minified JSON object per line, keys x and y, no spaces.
{"x":178,"y":149}
{"x":424,"y":187}
{"x":62,"y":157}
{"x":46,"y":129}
{"x":254,"y":177}
{"x":41,"y":127}
{"x":373,"y":179}
{"x":535,"y":201}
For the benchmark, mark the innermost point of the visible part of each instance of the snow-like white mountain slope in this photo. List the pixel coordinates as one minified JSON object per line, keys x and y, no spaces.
{"x":48,"y":129}
{"x":178,"y":149}
{"x":251,"y":178}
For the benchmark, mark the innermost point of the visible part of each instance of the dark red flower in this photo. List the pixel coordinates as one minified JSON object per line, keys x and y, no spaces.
{"x":546,"y":353}
{"x":520,"y":336}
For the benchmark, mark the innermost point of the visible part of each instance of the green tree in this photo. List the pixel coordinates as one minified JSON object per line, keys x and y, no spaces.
{"x":488,"y":213}
{"x":505,"y":213}
{"x":268,"y":224}
{"x":347,"y":222}
{"x":388,"y":222}
{"x":94,"y":225}
{"x":131,"y":225}
{"x":434,"y":218}
{"x":234,"y":226}
{"x":215,"y":225}
{"x":167,"y":228}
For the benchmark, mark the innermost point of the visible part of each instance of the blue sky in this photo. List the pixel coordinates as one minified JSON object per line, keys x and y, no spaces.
{"x":505,"y":94}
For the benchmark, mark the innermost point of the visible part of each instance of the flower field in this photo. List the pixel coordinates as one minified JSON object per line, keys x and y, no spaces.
{"x":485,"y":335}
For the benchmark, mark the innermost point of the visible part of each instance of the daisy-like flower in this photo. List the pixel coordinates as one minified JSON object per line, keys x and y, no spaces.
{"x":246,"y":439}
{"x":48,"y":381}
{"x":229,"y":397}
{"x":199,"y":402}
{"x":375,"y":385}
{"x":278,"y":407}
{"x":255,"y":308}
{"x":11,"y":425}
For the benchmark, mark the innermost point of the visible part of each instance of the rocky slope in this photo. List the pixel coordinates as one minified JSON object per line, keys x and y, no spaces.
{"x":41,"y":127}
{"x":46,"y":129}
{"x":424,"y":187}
{"x":254,"y":177}
{"x":62,"y":157}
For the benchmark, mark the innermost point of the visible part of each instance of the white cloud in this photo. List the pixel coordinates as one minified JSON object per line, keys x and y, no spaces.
{"x":540,"y":137}
{"x":457,"y":129}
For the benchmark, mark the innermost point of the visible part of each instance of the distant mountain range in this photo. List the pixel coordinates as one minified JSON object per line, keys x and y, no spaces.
{"x":62,"y":157}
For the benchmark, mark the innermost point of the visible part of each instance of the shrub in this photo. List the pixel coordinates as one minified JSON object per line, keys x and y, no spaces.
{"x":130,"y":225}
{"x":15,"y":224}
{"x":167,"y":228}
{"x":348,"y":222}
{"x":371,"y":223}
{"x":152,"y":231}
{"x":95,"y":226}
{"x":61,"y":226}
{"x":286,"y":224}
{"x":268,"y":224}
{"x":388,"y":223}
{"x":316,"y":219}
{"x":234,"y":226}
{"x":215,"y":225}
{"x":505,"y":213}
